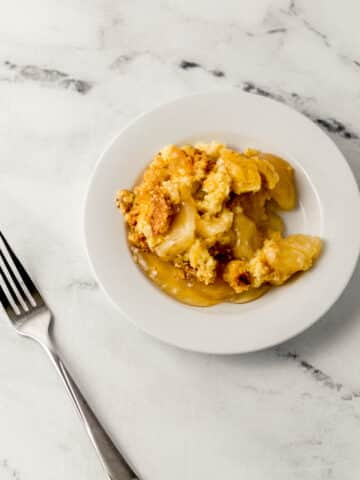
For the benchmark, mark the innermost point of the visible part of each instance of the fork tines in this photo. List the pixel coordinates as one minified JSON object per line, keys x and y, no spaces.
{"x":18,"y":293}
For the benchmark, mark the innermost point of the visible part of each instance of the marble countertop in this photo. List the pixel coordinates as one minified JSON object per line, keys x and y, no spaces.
{"x":72,"y":73}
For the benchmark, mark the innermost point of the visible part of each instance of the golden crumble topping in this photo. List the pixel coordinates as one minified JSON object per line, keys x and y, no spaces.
{"x":209,"y":216}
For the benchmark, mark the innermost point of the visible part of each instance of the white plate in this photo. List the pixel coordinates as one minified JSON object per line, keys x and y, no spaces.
{"x":329,"y":207}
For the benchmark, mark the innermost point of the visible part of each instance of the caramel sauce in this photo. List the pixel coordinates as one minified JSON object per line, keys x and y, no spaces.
{"x":168,"y":278}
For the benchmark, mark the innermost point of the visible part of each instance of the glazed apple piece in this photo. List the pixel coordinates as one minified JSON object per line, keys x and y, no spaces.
{"x":284,"y":192}
{"x":181,"y":234}
{"x":248,"y":238}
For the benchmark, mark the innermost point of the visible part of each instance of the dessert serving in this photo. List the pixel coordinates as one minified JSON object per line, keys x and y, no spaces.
{"x":204,"y":225}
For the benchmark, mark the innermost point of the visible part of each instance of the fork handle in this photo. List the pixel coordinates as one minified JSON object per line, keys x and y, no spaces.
{"x":116,"y":467}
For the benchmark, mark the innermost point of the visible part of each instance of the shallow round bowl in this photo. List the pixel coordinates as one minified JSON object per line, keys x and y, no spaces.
{"x":329,"y":207}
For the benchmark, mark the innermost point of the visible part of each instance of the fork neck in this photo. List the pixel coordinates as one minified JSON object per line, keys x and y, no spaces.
{"x":37,"y":327}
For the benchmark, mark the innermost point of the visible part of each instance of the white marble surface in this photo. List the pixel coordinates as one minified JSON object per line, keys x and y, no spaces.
{"x":72,"y":72}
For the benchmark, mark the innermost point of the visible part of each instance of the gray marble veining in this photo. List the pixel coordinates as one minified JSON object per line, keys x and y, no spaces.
{"x":72,"y":73}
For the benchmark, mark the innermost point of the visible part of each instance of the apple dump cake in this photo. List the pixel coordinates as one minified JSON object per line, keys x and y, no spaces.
{"x":204,"y":224}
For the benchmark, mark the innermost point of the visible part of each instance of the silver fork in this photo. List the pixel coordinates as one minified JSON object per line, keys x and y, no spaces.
{"x":32,"y":318}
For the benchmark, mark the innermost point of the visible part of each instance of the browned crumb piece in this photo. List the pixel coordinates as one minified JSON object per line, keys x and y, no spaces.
{"x":236,"y":274}
{"x":138,"y":240}
{"x":202,"y":262}
{"x":161,"y":212}
{"x":124,"y":200}
{"x":184,"y":269}
{"x":201,"y":163}
{"x":154,"y":175}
